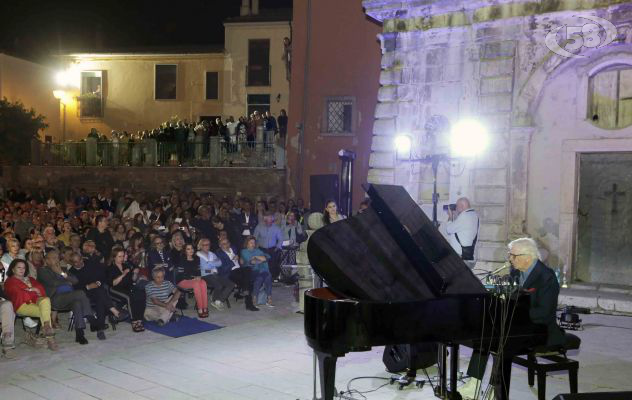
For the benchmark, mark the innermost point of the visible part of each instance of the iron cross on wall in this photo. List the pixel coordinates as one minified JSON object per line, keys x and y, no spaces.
{"x":614,"y":195}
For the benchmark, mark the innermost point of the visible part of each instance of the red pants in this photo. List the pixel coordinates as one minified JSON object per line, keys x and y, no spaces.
{"x":199,"y":291}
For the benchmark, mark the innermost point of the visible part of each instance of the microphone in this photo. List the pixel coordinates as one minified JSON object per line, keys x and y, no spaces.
{"x":505,"y":266}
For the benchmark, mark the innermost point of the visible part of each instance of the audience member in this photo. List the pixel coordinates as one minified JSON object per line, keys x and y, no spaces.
{"x":270,"y":240}
{"x":209,"y":266}
{"x":93,"y":281}
{"x":7,"y":318}
{"x":189,"y":277}
{"x":255,"y":258}
{"x":162,"y":297}
{"x":59,"y":287}
{"x":126,"y":285}
{"x":241,"y":276}
{"x":29,"y":299}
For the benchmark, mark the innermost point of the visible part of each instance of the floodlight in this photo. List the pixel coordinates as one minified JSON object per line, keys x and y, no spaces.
{"x":403,"y":144}
{"x":468,"y":138}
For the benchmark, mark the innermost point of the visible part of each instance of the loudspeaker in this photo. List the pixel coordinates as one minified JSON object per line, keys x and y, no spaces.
{"x":399,"y":357}
{"x":321,"y":189}
{"x":595,"y":396}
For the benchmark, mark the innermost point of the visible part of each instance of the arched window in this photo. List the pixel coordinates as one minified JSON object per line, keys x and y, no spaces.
{"x":610,"y":97}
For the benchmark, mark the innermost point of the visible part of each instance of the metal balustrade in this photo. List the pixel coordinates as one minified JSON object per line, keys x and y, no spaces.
{"x":150,"y":153}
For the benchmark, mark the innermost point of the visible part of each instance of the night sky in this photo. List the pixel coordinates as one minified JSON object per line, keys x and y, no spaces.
{"x":36,"y":29}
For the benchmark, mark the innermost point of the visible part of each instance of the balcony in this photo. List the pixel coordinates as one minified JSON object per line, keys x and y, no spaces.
{"x":216,"y":152}
{"x":258,"y":75}
{"x":90,"y":106}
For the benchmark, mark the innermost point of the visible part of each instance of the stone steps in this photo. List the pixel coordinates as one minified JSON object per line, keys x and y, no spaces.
{"x":601,"y":301}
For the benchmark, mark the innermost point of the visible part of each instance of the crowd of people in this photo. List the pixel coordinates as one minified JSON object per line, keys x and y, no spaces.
{"x":243,"y":130}
{"x":109,"y":257}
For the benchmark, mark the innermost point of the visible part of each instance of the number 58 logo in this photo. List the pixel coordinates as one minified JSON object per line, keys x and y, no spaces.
{"x":587,"y":35}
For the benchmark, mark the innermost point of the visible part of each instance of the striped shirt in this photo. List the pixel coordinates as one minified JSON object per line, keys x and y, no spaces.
{"x":161,"y":293}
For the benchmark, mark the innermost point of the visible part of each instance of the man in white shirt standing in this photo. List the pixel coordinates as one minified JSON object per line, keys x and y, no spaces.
{"x":462,"y":229}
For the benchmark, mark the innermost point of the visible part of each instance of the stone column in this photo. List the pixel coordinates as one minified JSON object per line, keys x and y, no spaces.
{"x":215,"y":151}
{"x":151,"y":152}
{"x":519,"y":143}
{"x":91,"y":151}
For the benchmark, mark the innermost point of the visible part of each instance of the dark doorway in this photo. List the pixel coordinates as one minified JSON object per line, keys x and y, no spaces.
{"x":604,"y":219}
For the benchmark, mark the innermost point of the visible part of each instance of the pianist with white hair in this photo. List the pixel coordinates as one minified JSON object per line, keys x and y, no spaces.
{"x":540,"y":282}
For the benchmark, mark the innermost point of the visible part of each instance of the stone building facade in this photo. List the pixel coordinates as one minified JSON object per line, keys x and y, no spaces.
{"x":544,"y":110}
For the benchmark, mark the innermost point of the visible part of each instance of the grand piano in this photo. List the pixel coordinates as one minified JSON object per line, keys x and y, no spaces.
{"x":393,"y":279}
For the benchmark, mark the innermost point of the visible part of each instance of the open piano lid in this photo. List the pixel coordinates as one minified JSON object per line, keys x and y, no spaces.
{"x":390,"y":252}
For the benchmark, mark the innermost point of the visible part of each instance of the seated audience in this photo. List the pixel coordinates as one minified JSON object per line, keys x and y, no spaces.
{"x":209,"y":264}
{"x":7,"y":318}
{"x":93,"y":281}
{"x":29,"y":298}
{"x":158,"y":256}
{"x":126,"y":285}
{"x":253,"y":257}
{"x":293,"y":233}
{"x":13,"y":252}
{"x":188,"y":277}
{"x":59,"y":287}
{"x":162,"y":297}
{"x":102,"y":237}
{"x":269,"y":238}
{"x":241,"y":276}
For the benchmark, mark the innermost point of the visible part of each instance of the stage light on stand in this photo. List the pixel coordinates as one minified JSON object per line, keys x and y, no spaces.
{"x":403,"y":145}
{"x":468,"y":138}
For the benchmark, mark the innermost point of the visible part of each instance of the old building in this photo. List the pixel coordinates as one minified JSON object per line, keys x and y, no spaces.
{"x":335,"y":72}
{"x":138,"y":89}
{"x":31,"y":84}
{"x":551,"y":82}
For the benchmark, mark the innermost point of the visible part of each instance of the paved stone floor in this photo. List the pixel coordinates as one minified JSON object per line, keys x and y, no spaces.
{"x":261,"y":355}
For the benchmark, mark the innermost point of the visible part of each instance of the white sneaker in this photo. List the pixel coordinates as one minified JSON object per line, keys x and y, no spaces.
{"x":471,"y":389}
{"x":30,"y":323}
{"x":217,"y":305}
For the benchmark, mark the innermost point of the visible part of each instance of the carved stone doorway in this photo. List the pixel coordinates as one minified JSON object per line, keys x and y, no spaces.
{"x":604,"y":219}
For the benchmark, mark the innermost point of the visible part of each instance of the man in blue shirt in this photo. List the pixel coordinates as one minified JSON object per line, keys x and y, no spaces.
{"x":270,"y":239}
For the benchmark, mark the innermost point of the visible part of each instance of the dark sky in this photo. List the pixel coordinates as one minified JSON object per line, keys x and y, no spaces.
{"x":36,"y":28}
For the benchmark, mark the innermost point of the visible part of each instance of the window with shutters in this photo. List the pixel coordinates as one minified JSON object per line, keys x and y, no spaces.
{"x":610,"y":97}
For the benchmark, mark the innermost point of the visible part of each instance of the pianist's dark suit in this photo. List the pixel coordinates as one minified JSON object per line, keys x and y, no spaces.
{"x":543,"y":290}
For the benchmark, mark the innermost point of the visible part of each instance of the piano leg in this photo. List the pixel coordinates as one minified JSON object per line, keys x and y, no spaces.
{"x":454,"y":372}
{"x":442,"y":391}
{"x":501,"y":377}
{"x":327,"y":375}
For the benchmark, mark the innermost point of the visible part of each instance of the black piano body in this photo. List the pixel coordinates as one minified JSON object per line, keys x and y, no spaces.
{"x":393,"y":279}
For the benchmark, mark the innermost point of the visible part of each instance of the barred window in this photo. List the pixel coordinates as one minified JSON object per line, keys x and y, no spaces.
{"x":339,"y":115}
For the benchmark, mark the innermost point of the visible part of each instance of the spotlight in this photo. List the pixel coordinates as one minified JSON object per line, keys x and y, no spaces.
{"x":469,"y":138}
{"x":403,"y":144}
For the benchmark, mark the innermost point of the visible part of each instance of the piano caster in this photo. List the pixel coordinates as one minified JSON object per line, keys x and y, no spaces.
{"x":407,"y":380}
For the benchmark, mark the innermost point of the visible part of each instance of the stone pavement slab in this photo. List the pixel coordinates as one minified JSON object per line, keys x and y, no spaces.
{"x":265,"y":356}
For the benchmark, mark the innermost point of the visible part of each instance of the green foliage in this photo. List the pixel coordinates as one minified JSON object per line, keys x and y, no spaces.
{"x":18,"y":126}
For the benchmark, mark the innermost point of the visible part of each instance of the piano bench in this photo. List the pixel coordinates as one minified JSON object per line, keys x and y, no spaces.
{"x":557,"y":361}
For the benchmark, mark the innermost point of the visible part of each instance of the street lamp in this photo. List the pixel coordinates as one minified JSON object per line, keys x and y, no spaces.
{"x":468,"y":138}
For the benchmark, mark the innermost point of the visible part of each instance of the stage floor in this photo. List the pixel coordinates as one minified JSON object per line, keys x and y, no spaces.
{"x":260,"y":356}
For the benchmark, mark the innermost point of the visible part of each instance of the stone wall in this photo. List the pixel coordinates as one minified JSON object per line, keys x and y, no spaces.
{"x":251,"y":182}
{"x":489,"y":60}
